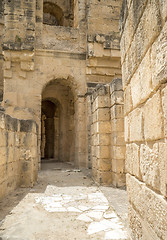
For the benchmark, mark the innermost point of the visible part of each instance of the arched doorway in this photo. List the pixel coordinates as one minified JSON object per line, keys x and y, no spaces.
{"x":57,"y":123}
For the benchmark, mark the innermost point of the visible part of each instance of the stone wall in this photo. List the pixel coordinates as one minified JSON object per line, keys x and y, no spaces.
{"x":19,"y":18}
{"x":101,"y":134}
{"x":107,"y":134}
{"x":18,"y":153}
{"x":103,"y":56}
{"x":144,"y":69}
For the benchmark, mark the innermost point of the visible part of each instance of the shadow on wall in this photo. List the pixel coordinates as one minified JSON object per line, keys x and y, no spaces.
{"x":59,"y":13}
{"x":52,"y":14}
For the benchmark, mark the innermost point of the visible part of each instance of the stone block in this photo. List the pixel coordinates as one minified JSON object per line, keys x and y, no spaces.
{"x":94,"y":174}
{"x":164,"y":107}
{"x":8,"y":73}
{"x":127,"y":129}
{"x":117,"y":138}
{"x":94,"y":117}
{"x":126,"y":70}
{"x":127,"y":100}
{"x":11,"y":123}
{"x":155,"y":214}
{"x":11,"y":154}
{"x":104,"y":178}
{"x":11,"y":139}
{"x":27,"y":66}
{"x":103,"y":114}
{"x":3,"y":174}
{"x":152,"y":113}
{"x":135,"y":10}
{"x":94,"y":162}
{"x":3,"y":154}
{"x":3,"y":189}
{"x":23,"y":74}
{"x":118,"y":165}
{"x":103,"y":139}
{"x":136,"y":125}
{"x":117,"y":111}
{"x":118,"y":152}
{"x":104,"y":164}
{"x":150,"y":165}
{"x":93,"y":150}
{"x":159,"y":58}
{"x":7,"y":65}
{"x":132,"y":162}
{"x":116,"y":85}
{"x":148,"y":29}
{"x":163,"y":168}
{"x":3,"y":138}
{"x":117,"y":125}
{"x":141,"y":81}
{"x":103,"y":152}
{"x":102,"y":102}
{"x":93,"y":140}
{"x":10,"y":99}
{"x":136,"y":194}
{"x":135,"y":223}
{"x":118,"y":179}
{"x":117,"y":97}
{"x":103,"y":127}
{"x":26,"y":125}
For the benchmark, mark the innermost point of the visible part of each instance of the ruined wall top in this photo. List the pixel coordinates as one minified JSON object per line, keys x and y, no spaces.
{"x":19,"y":25}
{"x":104,"y":27}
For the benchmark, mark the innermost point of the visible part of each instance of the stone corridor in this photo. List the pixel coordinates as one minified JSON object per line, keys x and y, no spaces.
{"x":65,"y":204}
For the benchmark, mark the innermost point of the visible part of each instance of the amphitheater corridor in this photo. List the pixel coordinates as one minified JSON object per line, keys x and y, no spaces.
{"x":65,"y":204}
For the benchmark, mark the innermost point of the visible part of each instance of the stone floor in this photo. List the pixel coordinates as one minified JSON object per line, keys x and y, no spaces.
{"x":66,"y":204}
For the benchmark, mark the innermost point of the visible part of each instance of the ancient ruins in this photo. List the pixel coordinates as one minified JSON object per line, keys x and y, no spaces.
{"x":85,"y":81}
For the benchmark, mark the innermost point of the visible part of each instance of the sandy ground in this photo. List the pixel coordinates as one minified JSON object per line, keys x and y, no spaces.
{"x":64,"y":204}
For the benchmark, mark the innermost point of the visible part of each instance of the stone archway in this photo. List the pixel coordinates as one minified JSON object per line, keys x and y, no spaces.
{"x":57,"y":122}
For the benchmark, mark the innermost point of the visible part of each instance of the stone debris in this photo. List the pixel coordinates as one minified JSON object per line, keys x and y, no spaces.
{"x":99,"y":215}
{"x":84,"y":217}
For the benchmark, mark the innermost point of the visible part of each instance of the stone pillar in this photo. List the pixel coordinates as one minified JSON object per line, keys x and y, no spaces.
{"x":80,"y":132}
{"x":101,"y":135}
{"x":117,"y":133}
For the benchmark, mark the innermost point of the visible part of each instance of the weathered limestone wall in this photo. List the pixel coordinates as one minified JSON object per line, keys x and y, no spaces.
{"x":36,"y":54}
{"x":57,"y":53}
{"x":107,"y":134}
{"x":19,"y":18}
{"x":18,"y":153}
{"x":144,"y":69}
{"x":103,"y":57}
